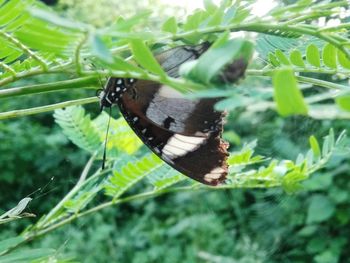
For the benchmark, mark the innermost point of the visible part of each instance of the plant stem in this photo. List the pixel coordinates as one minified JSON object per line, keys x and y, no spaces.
{"x":323,"y":83}
{"x":47,"y":108}
{"x":71,"y":193}
{"x":83,"y":82}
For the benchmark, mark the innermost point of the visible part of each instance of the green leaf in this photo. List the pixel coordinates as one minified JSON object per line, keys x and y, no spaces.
{"x":343,"y":60}
{"x":273,"y":60}
{"x":313,"y":55}
{"x":210,"y":93}
{"x":193,"y":22}
{"x":304,"y":2}
{"x":287,"y":94}
{"x":164,"y":177}
{"x":57,"y":20}
{"x":338,"y":195}
{"x":145,"y":58}
{"x":316,"y":244}
{"x":307,"y":231}
{"x":315,"y":146}
{"x":318,"y":182}
{"x":343,"y":102}
{"x":218,"y":56}
{"x":291,"y":180}
{"x":216,"y":17}
{"x":229,"y":15}
{"x":296,"y":58}
{"x":27,"y":255}
{"x":320,"y":209}
{"x":231,"y":103}
{"x":120,"y":64}
{"x":125,"y":25}
{"x":170,"y":25}
{"x":282,"y":57}
{"x":11,"y":10}
{"x":9,"y":243}
{"x":241,"y":14}
{"x":327,"y":256}
{"x":99,"y":49}
{"x":131,"y":173}
{"x":329,"y":56}
{"x":210,"y":6}
{"x":123,"y":138}
{"x":78,"y":128}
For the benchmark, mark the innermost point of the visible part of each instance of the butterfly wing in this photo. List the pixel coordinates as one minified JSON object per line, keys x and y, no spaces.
{"x":201,"y":158}
{"x":167,"y":108}
{"x":184,"y":133}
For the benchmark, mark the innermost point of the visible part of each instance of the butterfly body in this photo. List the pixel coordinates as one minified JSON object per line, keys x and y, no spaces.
{"x":184,"y":133}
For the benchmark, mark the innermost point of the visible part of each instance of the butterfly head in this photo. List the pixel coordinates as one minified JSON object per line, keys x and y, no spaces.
{"x":113,"y":91}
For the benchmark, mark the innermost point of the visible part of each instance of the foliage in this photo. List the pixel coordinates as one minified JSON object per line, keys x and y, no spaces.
{"x":307,"y":66}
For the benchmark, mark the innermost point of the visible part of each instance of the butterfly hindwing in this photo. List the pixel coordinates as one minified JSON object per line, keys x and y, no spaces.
{"x":201,"y":158}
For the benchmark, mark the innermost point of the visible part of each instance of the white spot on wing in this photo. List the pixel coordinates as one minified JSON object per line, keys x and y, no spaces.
{"x":189,"y":139}
{"x":119,"y":81}
{"x":214,"y":174}
{"x":179,"y":145}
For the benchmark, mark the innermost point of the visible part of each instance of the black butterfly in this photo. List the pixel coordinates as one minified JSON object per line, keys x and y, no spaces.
{"x":185,"y":133}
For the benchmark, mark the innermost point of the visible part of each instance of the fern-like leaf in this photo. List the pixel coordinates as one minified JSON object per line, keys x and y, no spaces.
{"x":324,"y":59}
{"x":285,"y":173}
{"x":29,"y":44}
{"x":120,"y":137}
{"x":79,"y":128}
{"x":131,"y":173}
{"x":165,"y":177}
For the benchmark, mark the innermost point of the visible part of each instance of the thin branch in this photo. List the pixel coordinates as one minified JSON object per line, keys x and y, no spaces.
{"x":71,"y":193}
{"x":323,"y":83}
{"x":85,"y":82}
{"x":48,"y":108}
{"x":77,"y":53}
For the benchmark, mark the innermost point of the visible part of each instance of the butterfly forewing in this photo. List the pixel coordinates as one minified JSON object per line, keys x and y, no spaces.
{"x":184,"y":133}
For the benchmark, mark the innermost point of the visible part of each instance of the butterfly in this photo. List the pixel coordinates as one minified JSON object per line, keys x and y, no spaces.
{"x":184,"y":133}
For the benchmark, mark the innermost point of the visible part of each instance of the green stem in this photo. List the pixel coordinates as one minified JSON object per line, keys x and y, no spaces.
{"x":335,"y":28}
{"x":71,"y":193}
{"x":269,"y":71}
{"x":77,"y":53}
{"x":83,"y":82}
{"x":37,"y":71}
{"x":42,"y":109}
{"x":141,"y":196}
{"x":323,"y":83}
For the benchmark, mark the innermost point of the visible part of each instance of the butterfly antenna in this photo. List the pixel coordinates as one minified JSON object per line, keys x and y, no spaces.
{"x":106,"y":138}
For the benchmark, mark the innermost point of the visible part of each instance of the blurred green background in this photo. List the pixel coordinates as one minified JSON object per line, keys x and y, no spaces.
{"x":213,"y":226}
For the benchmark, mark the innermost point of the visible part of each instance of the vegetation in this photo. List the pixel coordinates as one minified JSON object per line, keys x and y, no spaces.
{"x":286,"y":197}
